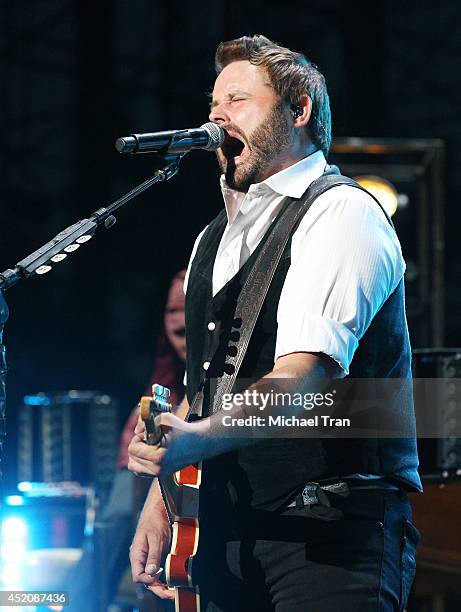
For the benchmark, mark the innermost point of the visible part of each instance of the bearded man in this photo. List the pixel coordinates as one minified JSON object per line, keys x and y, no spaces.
{"x":335,"y":307}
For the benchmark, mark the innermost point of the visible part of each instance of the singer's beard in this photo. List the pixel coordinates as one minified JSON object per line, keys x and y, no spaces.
{"x":264,"y":145}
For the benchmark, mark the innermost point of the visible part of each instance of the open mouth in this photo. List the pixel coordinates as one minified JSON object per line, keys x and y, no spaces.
{"x":232,"y":147}
{"x":180,"y":332}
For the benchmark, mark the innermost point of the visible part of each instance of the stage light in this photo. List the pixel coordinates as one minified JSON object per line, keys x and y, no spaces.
{"x":25,"y":485}
{"x":11,"y":575}
{"x":13,"y":551}
{"x":40,"y":399}
{"x":14,"y":500}
{"x":383,"y":190}
{"x":14,"y":528}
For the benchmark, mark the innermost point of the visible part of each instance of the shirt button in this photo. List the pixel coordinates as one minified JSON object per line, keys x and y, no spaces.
{"x":211,"y":325}
{"x":206,"y":365}
{"x":225,"y":254}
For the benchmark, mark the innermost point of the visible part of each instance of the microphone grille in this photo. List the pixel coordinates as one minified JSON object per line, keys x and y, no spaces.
{"x":216,"y":136}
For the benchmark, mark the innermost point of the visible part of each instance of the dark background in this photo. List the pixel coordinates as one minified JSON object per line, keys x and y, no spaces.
{"x":76,"y":75}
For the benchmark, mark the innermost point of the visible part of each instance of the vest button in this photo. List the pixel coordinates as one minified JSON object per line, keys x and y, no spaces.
{"x":229,"y":369}
{"x":211,"y":325}
{"x":206,"y":365}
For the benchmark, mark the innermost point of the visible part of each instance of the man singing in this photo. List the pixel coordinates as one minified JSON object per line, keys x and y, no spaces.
{"x":334,"y":308}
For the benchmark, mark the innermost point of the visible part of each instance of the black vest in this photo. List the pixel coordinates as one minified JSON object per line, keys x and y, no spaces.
{"x":265,"y":475}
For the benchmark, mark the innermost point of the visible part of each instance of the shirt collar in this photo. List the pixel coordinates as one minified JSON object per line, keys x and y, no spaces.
{"x":291,"y":182}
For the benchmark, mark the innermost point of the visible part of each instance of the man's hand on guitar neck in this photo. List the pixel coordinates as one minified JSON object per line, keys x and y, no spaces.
{"x":185,"y":444}
{"x":150,"y":545}
{"x":180,"y":446}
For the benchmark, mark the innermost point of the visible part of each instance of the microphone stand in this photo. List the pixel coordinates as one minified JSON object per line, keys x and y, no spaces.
{"x":56,"y":250}
{"x":69,"y":239}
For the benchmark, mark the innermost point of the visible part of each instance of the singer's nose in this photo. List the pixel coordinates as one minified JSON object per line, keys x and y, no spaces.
{"x":218,"y":113}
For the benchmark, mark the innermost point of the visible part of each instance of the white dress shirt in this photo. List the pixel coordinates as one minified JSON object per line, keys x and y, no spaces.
{"x":345,"y":259}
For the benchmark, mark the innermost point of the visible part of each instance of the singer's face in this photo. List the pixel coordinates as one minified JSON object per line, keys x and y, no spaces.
{"x":258,"y":125}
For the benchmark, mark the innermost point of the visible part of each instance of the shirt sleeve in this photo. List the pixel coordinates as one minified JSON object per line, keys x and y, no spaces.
{"x":345,"y":262}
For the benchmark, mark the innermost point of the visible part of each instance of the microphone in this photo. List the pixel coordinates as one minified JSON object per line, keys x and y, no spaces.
{"x":209,"y":137}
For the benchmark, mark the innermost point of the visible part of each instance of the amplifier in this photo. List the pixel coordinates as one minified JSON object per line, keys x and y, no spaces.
{"x":68,"y":436}
{"x":440,"y":457}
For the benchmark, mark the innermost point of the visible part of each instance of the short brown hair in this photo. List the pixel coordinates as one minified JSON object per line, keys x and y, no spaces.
{"x":291,"y":75}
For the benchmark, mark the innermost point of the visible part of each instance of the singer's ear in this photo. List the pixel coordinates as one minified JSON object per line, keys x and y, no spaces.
{"x":303,"y":111}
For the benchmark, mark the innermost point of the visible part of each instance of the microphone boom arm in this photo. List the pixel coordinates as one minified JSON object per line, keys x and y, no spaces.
{"x":70,"y":239}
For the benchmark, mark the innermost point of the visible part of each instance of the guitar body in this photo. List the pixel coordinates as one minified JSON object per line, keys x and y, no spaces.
{"x":178,"y":564}
{"x":180,"y":493}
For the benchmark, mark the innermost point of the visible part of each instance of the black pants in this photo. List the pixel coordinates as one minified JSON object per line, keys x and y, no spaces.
{"x":357,"y":555}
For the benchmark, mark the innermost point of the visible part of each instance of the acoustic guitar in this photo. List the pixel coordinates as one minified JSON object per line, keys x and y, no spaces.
{"x":180,"y":493}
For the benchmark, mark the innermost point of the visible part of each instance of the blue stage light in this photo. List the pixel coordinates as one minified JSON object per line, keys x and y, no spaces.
{"x":37,"y":400}
{"x":14,"y":500}
{"x":12,"y":551}
{"x":25,"y":486}
{"x":14,"y":528}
